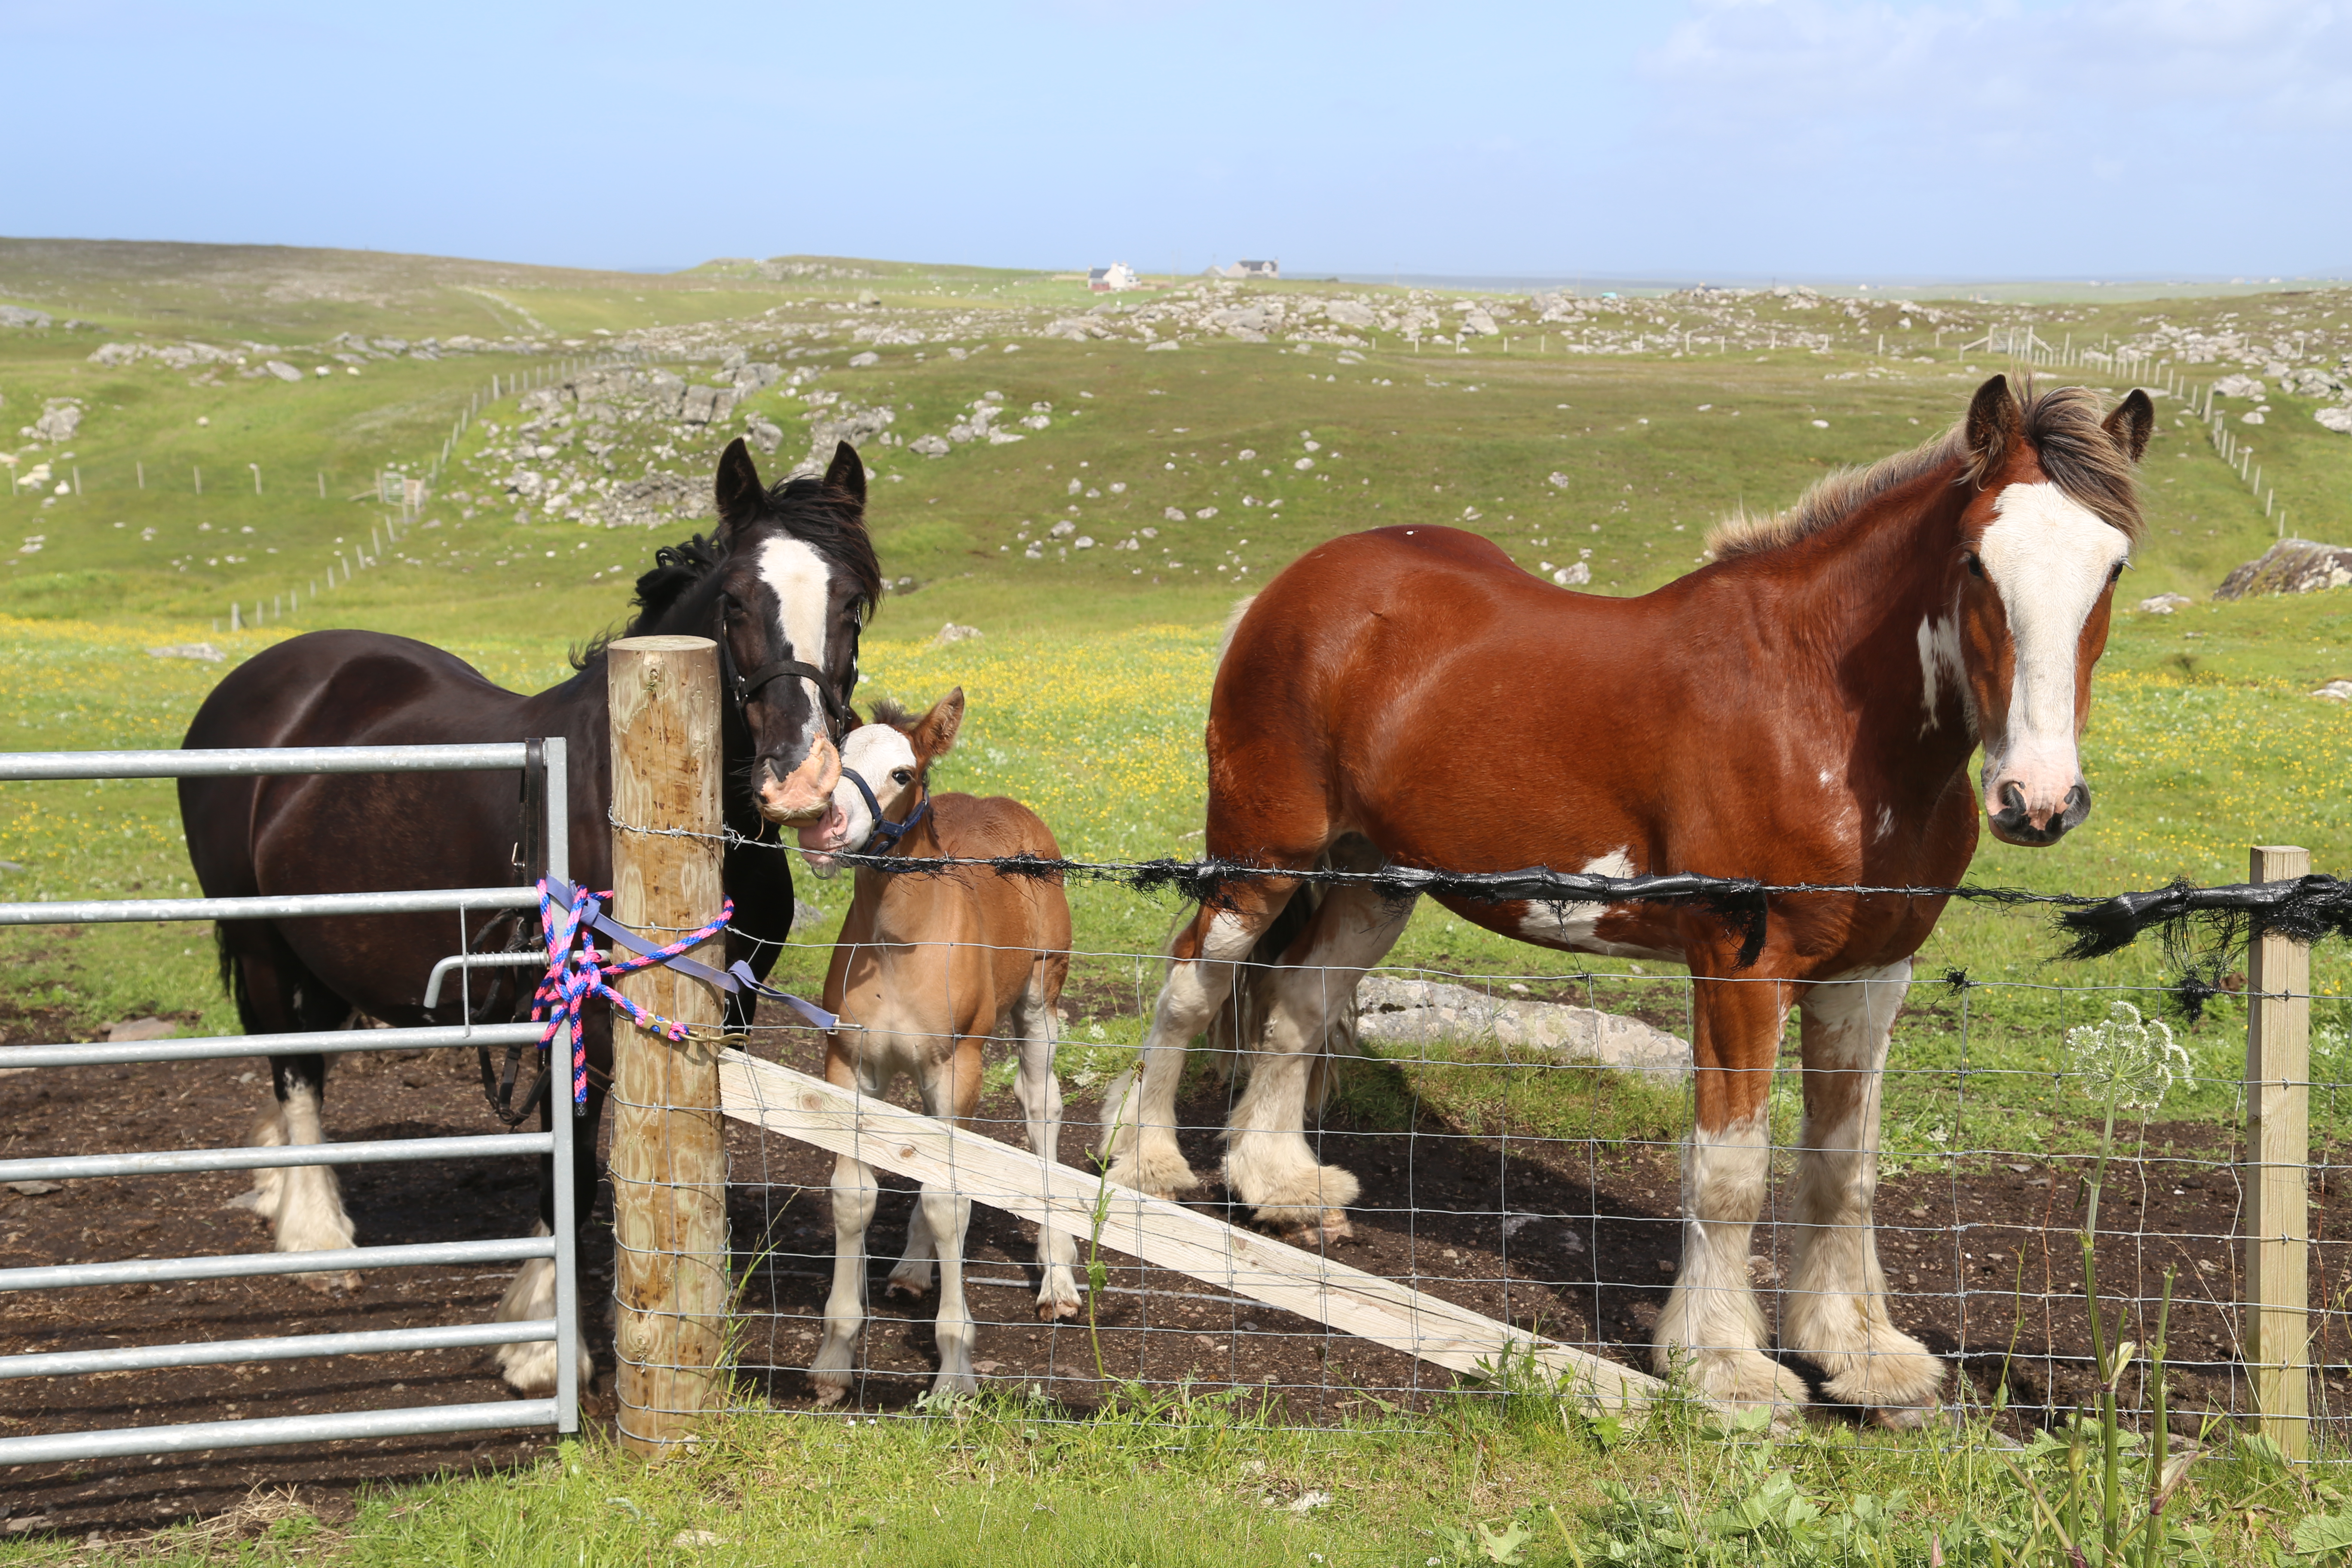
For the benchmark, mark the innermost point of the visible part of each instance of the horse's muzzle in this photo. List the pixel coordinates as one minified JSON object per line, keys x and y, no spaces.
{"x":2016,"y":823}
{"x":802,"y":795}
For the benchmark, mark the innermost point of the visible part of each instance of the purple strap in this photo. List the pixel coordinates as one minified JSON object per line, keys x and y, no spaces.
{"x":573,"y":919}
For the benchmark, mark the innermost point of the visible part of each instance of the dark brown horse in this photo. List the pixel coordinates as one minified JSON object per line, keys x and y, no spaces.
{"x":786,"y":583}
{"x":1801,"y":710}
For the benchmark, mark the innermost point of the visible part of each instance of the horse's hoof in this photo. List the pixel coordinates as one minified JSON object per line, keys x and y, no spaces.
{"x":911,"y":1288}
{"x":1328,"y":1230}
{"x":827,"y":1393}
{"x":1160,"y":1173}
{"x":332,"y":1282}
{"x":1051,"y":1311}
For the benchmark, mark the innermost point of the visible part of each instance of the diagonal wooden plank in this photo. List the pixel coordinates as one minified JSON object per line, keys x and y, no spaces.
{"x":1287,"y":1277}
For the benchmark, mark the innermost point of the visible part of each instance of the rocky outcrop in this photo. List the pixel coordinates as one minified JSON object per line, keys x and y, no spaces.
{"x":2290,"y":566}
{"x":1424,"y":1013}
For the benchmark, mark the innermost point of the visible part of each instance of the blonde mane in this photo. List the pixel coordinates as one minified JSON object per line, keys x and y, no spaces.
{"x":2063,"y":424}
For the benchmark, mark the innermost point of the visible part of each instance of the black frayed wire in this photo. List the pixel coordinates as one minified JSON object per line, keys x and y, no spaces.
{"x":2201,"y":927}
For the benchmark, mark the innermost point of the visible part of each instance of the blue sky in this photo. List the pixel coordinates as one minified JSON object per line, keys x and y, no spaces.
{"x":1724,"y":139}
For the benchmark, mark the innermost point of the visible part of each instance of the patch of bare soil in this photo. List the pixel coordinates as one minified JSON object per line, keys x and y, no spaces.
{"x":214,"y":1104}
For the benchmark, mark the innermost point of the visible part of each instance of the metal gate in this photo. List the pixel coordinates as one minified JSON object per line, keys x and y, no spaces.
{"x":543,"y":766}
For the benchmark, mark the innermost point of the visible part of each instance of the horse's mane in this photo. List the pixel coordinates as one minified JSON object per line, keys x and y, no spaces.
{"x":805,"y":509}
{"x":2064,"y":425}
{"x":893,"y":714}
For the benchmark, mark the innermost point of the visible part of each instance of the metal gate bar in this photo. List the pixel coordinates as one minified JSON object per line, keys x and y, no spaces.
{"x":543,"y":763}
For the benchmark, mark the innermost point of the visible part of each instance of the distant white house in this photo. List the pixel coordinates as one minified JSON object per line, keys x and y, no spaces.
{"x":1115,"y":279}
{"x":1247,"y":270}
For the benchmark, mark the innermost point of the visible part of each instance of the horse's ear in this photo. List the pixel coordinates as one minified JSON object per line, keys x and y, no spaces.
{"x":935,"y":733}
{"x":846,"y":474}
{"x":2131,"y":424}
{"x":1994,"y":419}
{"x":739,"y":492}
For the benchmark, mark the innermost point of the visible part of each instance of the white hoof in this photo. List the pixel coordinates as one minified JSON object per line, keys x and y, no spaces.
{"x":1058,"y":1298}
{"x":909,"y":1279}
{"x":1306,"y":1204}
{"x":1741,"y":1379}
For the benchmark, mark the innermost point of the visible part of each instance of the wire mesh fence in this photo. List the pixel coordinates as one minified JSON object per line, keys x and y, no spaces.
{"x":1518,"y":1143}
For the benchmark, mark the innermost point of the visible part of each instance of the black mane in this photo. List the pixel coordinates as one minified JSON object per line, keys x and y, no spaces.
{"x":805,"y":509}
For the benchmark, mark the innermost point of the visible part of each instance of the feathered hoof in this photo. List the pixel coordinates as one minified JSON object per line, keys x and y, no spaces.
{"x":914,"y":1283}
{"x":1314,"y":1232}
{"x":1741,"y":1379}
{"x":1901,"y":1386}
{"x":1159,"y":1173}
{"x":332,"y":1282}
{"x":1058,"y":1301}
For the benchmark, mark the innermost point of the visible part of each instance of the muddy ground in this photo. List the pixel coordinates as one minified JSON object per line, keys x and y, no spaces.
{"x":1575,"y":1240}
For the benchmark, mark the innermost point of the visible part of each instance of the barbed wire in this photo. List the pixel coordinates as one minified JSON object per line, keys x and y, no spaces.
{"x":2201,"y":928}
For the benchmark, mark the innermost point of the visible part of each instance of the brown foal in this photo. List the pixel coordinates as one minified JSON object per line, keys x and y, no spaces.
{"x":927,"y":971}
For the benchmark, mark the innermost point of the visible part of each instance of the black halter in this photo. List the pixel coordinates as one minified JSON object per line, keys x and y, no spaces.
{"x":885,"y":835}
{"x":742,"y":687}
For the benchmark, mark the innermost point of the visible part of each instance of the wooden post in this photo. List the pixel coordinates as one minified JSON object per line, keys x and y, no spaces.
{"x":668,"y":1160}
{"x":2276,"y":1182}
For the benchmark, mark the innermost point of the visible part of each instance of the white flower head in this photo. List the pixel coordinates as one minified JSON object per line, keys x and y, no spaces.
{"x":2133,"y":1059}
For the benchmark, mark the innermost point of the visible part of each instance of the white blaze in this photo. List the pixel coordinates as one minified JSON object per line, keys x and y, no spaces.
{"x":799,"y":577}
{"x":2050,"y":558}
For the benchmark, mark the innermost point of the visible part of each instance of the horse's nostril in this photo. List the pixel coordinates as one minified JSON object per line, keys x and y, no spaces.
{"x":2012,"y":798}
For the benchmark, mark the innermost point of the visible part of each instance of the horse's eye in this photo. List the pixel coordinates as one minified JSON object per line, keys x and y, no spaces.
{"x":2114,"y":573}
{"x":1976,"y":563}
{"x":900,"y":775}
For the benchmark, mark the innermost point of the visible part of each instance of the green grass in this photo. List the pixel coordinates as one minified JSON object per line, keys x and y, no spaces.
{"x":1174,"y":1479}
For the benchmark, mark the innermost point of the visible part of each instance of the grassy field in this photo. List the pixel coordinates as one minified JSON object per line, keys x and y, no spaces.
{"x":1087,"y":692}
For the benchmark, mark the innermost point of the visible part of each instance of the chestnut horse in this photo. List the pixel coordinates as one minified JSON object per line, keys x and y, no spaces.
{"x":1802,"y":709}
{"x":928,"y":970}
{"x":784,"y":585}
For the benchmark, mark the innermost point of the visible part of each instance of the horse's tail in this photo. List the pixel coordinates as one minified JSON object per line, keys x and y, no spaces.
{"x":232,"y":977}
{"x":1232,"y":623}
{"x":1239,"y":1027}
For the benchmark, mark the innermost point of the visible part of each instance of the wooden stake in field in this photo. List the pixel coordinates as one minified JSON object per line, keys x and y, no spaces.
{"x":670,"y":1162}
{"x":2278,"y":1153}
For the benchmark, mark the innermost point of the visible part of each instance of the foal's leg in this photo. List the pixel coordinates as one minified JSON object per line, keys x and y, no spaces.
{"x":1139,"y":1116}
{"x":1836,"y":1300}
{"x":1712,"y":1326}
{"x":854,"y":1189}
{"x":1268,"y":1161}
{"x":951,"y":1092}
{"x":1040,"y":1093}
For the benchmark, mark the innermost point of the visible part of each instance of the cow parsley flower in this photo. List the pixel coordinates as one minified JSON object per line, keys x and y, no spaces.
{"x":2132,"y":1059}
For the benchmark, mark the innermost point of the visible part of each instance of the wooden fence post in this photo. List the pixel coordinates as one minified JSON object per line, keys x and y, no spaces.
{"x":2276,"y":1183}
{"x":668,"y":1160}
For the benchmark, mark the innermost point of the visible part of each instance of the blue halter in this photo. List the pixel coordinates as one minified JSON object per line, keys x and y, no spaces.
{"x":885,"y":835}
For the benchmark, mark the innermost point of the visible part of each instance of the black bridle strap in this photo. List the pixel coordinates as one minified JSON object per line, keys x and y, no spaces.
{"x":886,"y":834}
{"x":743,"y":689}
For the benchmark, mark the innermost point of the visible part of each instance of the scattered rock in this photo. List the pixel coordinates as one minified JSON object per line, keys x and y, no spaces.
{"x":149,"y":1029}
{"x":1172,"y":514}
{"x":20,"y":315}
{"x":2239,"y":386}
{"x":281,"y":370}
{"x":763,"y":435}
{"x":58,"y":422}
{"x":688,"y":1540}
{"x":1424,"y":1012}
{"x":36,"y":1189}
{"x":2337,"y":420}
{"x":2252,"y":416}
{"x":1557,"y":480}
{"x":203,"y":650}
{"x":1574,"y":576}
{"x":953,"y":633}
{"x":2335,"y":690}
{"x":860,"y":361}
{"x":1169,"y":347}
{"x":2290,"y":566}
{"x":2165,"y":604}
{"x":931,"y":446}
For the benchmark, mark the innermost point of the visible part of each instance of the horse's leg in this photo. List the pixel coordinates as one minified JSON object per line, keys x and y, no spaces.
{"x":1267,"y":1158}
{"x":912,"y":1276}
{"x":1140,"y":1111}
{"x":1712,"y":1327}
{"x":1836,"y":1299}
{"x":530,"y":1297}
{"x":303,"y":1203}
{"x":844,"y":1310}
{"x":950,"y":1091}
{"x":1040,"y":1094}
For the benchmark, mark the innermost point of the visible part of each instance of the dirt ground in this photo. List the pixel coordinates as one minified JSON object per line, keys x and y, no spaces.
{"x":1577,"y":1240}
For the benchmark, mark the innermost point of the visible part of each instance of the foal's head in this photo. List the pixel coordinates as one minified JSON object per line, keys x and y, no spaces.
{"x":784,"y":585}
{"x":2045,"y":533}
{"x":884,"y":782}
